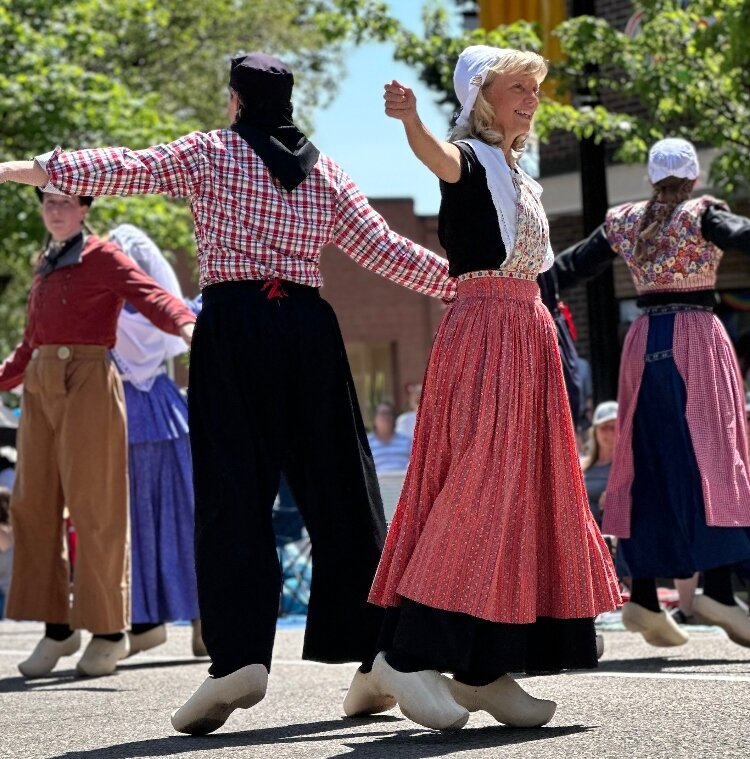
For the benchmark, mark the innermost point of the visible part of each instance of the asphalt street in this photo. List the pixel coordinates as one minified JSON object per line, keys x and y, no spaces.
{"x":692,"y":701}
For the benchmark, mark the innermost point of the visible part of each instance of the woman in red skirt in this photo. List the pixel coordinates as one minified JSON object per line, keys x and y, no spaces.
{"x":493,"y":563}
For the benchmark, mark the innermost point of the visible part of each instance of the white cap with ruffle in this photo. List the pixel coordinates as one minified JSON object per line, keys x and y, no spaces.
{"x":673,"y":157}
{"x":470,"y":74}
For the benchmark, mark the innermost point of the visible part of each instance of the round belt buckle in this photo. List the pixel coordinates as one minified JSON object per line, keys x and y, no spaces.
{"x":63,"y":352}
{"x":35,"y":353}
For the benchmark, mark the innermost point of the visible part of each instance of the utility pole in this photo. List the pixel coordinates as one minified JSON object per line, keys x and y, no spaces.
{"x":602,"y":307}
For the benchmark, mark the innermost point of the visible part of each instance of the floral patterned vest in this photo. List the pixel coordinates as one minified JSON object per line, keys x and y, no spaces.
{"x":679,"y":257}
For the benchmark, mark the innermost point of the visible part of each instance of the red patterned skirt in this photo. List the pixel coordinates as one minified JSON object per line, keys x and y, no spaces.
{"x":493,"y":519}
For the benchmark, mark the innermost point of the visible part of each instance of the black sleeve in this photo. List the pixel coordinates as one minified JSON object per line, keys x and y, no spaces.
{"x":469,"y":162}
{"x":727,"y":230}
{"x":584,"y":260}
{"x":472,"y":172}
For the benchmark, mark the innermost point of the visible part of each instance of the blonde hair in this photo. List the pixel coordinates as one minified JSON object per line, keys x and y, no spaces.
{"x":482,"y":116}
{"x":592,"y":450}
{"x":667,"y":195}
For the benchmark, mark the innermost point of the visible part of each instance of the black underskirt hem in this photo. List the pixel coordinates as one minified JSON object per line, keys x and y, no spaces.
{"x":454,"y":642}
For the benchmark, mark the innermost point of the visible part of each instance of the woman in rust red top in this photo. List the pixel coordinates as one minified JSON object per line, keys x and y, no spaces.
{"x":72,"y":441}
{"x":270,"y":386}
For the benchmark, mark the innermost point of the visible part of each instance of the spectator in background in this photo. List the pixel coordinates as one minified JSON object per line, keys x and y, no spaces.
{"x":596,"y":466}
{"x":6,"y":547}
{"x":598,"y":461}
{"x":390,"y":449}
{"x":406,"y":421}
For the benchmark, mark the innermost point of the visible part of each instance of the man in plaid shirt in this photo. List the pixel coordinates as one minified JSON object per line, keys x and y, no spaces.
{"x":270,"y":386}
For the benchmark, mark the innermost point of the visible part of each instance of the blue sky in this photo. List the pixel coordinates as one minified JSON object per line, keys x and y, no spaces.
{"x":370,"y":147}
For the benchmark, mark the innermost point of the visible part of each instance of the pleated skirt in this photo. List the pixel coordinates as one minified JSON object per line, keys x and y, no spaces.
{"x":162,"y":508}
{"x":690,"y":351}
{"x":669,"y":532}
{"x":493,"y":520}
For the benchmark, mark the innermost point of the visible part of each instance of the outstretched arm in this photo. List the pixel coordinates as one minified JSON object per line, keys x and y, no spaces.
{"x":727,"y":230}
{"x":584,"y":260}
{"x":442,"y":158}
{"x":364,"y":236}
{"x":174,"y":168}
{"x":23,"y":172}
{"x":161,"y":308}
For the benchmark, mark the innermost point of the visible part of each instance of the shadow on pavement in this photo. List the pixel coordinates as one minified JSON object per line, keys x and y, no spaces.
{"x":420,"y":743}
{"x":128,"y":664}
{"x":657,"y":664}
{"x":59,"y":676}
{"x":66,"y":677}
{"x":417,"y":741}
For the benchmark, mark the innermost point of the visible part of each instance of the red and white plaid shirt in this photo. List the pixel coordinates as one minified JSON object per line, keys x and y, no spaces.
{"x":246,"y":225}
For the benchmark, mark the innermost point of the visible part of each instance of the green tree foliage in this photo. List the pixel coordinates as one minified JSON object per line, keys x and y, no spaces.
{"x":687,"y":73}
{"x":84,"y":73}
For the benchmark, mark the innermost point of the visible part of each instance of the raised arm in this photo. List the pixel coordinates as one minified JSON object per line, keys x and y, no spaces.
{"x":442,"y":158}
{"x":727,"y":230}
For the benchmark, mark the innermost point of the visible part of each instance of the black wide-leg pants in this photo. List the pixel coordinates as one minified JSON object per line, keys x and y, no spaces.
{"x":270,"y":392}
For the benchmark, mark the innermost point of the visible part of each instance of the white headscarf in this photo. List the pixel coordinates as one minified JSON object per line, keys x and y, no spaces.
{"x":141,"y":348}
{"x":471,"y":72}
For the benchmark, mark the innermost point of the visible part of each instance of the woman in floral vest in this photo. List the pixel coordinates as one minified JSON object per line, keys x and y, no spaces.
{"x":679,"y":492}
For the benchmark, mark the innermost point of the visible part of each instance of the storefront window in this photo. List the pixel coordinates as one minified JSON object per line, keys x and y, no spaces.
{"x":372,"y":367}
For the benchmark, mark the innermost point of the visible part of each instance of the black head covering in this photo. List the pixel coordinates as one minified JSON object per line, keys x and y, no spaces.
{"x":85,"y":200}
{"x":264,"y":85}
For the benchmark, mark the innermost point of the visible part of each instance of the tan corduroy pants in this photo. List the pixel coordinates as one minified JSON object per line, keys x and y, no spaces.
{"x":72,"y":451}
